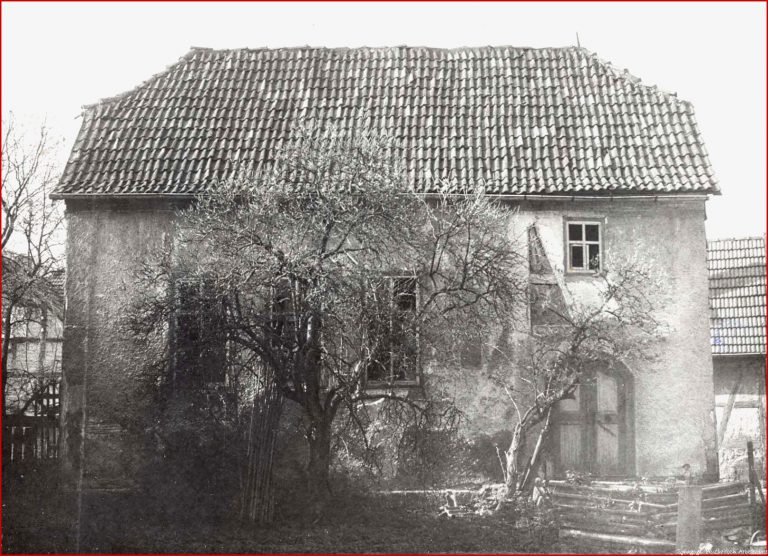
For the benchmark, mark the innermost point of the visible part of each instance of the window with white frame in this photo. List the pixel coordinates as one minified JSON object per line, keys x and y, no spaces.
{"x":395,"y":353}
{"x":584,"y":244}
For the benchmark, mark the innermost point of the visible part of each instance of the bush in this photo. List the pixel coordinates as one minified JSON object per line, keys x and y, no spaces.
{"x":193,"y":473}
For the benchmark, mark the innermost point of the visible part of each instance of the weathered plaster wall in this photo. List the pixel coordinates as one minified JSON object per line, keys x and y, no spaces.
{"x":106,"y":245}
{"x":674,"y":402}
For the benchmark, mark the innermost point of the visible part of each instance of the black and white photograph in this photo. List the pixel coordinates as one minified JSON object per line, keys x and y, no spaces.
{"x":383,"y":277}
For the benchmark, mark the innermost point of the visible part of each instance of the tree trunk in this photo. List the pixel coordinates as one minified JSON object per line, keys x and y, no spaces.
{"x":513,"y":453}
{"x":319,"y":464}
{"x":533,"y":466}
{"x":258,"y":500}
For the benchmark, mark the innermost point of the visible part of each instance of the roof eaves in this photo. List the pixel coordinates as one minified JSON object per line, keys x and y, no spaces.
{"x":98,"y":196}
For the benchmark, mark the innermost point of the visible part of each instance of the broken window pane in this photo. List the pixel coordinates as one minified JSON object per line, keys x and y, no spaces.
{"x":592,"y":232}
{"x":594,"y":256}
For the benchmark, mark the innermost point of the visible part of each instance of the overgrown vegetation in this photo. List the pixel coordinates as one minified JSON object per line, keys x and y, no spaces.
{"x":325,"y":280}
{"x":32,"y":258}
{"x":354,"y":522}
{"x":569,"y":341}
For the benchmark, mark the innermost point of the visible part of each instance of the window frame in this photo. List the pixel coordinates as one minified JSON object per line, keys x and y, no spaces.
{"x":407,"y":382}
{"x":180,"y":280}
{"x":567,"y":242}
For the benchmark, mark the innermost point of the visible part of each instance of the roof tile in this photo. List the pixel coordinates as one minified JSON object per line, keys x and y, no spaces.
{"x":737,"y":295}
{"x":515,"y":120}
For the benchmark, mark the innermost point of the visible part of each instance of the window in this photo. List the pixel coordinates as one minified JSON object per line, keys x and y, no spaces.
{"x":584,"y":246}
{"x":200,"y":336}
{"x":282,"y":318}
{"x":395,"y":355}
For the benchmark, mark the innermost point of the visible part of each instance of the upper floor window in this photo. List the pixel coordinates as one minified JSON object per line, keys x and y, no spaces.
{"x":395,"y":357}
{"x":584,"y":244}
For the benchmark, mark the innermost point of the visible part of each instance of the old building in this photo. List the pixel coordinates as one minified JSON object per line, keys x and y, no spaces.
{"x":604,"y":165}
{"x":737,"y":326}
{"x":34,"y":342}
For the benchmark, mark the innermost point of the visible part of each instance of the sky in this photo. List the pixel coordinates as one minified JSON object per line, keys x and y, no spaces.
{"x":59,"y":56}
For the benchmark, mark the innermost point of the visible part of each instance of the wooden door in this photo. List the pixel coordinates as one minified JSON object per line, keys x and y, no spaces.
{"x":593,"y":432}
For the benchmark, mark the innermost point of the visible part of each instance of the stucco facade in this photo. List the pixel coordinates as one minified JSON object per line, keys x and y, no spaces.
{"x":672,"y":406}
{"x":101,"y":361}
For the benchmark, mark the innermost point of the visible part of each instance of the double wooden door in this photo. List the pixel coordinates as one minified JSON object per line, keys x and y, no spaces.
{"x":593,"y":431}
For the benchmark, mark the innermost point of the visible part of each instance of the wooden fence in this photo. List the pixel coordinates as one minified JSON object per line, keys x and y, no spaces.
{"x":29,"y":439}
{"x":642,"y":516}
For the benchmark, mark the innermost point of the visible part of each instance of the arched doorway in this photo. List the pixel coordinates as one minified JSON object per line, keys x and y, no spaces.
{"x":594,"y":431}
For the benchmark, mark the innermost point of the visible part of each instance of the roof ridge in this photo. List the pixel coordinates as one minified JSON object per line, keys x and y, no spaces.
{"x":413,"y":47}
{"x":619,"y":73}
{"x":623,"y":74}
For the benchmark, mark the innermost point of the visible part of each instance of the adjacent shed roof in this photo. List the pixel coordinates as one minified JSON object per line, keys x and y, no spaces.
{"x":516,"y":120}
{"x":737,"y":295}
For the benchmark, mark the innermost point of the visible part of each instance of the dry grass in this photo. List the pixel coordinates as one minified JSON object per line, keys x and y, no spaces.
{"x":354,"y":524}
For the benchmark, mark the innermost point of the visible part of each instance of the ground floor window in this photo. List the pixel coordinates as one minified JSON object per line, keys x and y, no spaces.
{"x":395,"y":353}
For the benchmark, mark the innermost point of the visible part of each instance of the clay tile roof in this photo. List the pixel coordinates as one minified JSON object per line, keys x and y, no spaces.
{"x":737,"y":295}
{"x":516,"y":120}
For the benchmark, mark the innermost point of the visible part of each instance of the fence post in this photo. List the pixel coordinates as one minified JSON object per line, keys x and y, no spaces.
{"x":689,"y":522}
{"x":752,"y":475}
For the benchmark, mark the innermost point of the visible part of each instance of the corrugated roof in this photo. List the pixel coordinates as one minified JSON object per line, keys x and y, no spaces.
{"x":737,"y":295}
{"x":517,"y":120}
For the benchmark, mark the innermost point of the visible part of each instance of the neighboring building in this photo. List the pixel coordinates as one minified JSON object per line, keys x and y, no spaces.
{"x":737,"y":325}
{"x":35,"y":345}
{"x":602,"y":165}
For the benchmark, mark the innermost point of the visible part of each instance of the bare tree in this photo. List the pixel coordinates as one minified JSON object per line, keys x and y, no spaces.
{"x":569,"y":338}
{"x":341,"y":282}
{"x":31,"y":236}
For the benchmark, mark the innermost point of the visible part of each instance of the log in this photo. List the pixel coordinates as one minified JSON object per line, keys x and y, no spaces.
{"x":597,"y":500}
{"x":727,"y":522}
{"x":617,"y":494}
{"x":727,"y":510}
{"x":610,"y":511}
{"x":727,"y":500}
{"x":752,"y":485}
{"x":608,"y":529}
{"x":614,"y":486}
{"x":597,"y":518}
{"x":624,"y":540}
{"x":722,"y":489}
{"x":721,"y":502}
